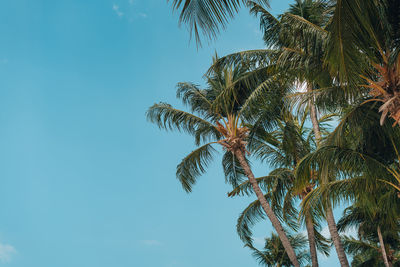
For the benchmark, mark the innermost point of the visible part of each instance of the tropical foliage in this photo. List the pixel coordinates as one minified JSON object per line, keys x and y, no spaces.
{"x":273,"y":254}
{"x":322,"y":60}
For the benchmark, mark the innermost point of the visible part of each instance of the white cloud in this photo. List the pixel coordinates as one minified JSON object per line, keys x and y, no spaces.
{"x":117,"y":10}
{"x":151,"y":242}
{"x":130,"y":15}
{"x":6,"y":252}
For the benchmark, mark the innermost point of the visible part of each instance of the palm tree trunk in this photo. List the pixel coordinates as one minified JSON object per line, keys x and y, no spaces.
{"x":314,"y":121}
{"x":311,"y":240}
{"x":330,"y":219}
{"x":385,"y":259}
{"x":267,"y":208}
{"x":329,"y":213}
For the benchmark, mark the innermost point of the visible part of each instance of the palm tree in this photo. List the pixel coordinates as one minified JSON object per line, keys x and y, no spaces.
{"x":363,"y":155}
{"x":299,"y":40}
{"x":218,"y":115}
{"x":315,"y":78}
{"x":274,"y":254}
{"x":283,"y":148}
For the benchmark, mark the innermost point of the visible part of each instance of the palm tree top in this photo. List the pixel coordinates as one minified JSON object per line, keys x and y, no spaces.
{"x":217,"y":115}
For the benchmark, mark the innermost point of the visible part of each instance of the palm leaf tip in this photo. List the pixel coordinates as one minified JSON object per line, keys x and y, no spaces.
{"x":207,"y":17}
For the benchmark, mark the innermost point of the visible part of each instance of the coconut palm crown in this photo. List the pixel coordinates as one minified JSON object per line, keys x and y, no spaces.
{"x":282,"y":148}
{"x":273,"y":253}
{"x":219,"y":115}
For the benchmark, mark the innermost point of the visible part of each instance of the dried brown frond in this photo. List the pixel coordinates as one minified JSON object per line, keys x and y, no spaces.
{"x":387,"y":89}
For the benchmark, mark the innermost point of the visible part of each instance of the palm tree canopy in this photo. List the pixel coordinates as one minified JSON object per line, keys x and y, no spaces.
{"x":219,"y":112}
{"x":274,"y":253}
{"x":367,"y":253}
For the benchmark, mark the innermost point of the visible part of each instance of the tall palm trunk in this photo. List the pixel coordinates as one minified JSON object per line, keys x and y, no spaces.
{"x":383,"y":250}
{"x":267,"y":208}
{"x":330,"y":219}
{"x":311,"y":240}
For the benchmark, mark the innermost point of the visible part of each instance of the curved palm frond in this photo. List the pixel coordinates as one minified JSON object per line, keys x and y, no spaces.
{"x":353,"y":245}
{"x":267,"y":183}
{"x":251,"y":58}
{"x":234,"y":173}
{"x":207,"y":16}
{"x":309,"y":31}
{"x":193,"y":165}
{"x":267,"y":89}
{"x":247,"y":219}
{"x":268,"y":23}
{"x":322,"y":243}
{"x":263,"y":259}
{"x":169,"y":118}
{"x":337,"y":191}
{"x":342,"y":53}
{"x":238,"y":87}
{"x":274,"y":254}
{"x":192,"y":96}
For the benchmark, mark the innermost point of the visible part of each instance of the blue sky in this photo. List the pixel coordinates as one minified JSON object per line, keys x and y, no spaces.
{"x":85,"y":180}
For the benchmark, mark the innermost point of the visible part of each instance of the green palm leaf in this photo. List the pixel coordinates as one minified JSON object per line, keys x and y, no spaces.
{"x":194,"y":165}
{"x":234,"y":173}
{"x":169,"y":118}
{"x":207,"y":16}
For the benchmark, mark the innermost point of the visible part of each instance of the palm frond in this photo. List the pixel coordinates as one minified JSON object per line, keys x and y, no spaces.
{"x":263,"y":259}
{"x":169,"y":118}
{"x":269,"y":24}
{"x":247,"y":219}
{"x":207,"y":16}
{"x":194,"y":165}
{"x":252,"y":58}
{"x":192,"y":96}
{"x":354,"y":246}
{"x":323,"y":244}
{"x":274,"y":254}
{"x":245,"y":188}
{"x":343,"y":55}
{"x":234,"y":173}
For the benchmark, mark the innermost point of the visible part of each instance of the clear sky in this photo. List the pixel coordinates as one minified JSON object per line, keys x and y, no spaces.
{"x":85,"y":180}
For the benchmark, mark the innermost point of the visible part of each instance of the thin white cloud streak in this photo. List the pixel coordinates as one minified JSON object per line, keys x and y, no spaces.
{"x":117,"y":10}
{"x":6,"y":252}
